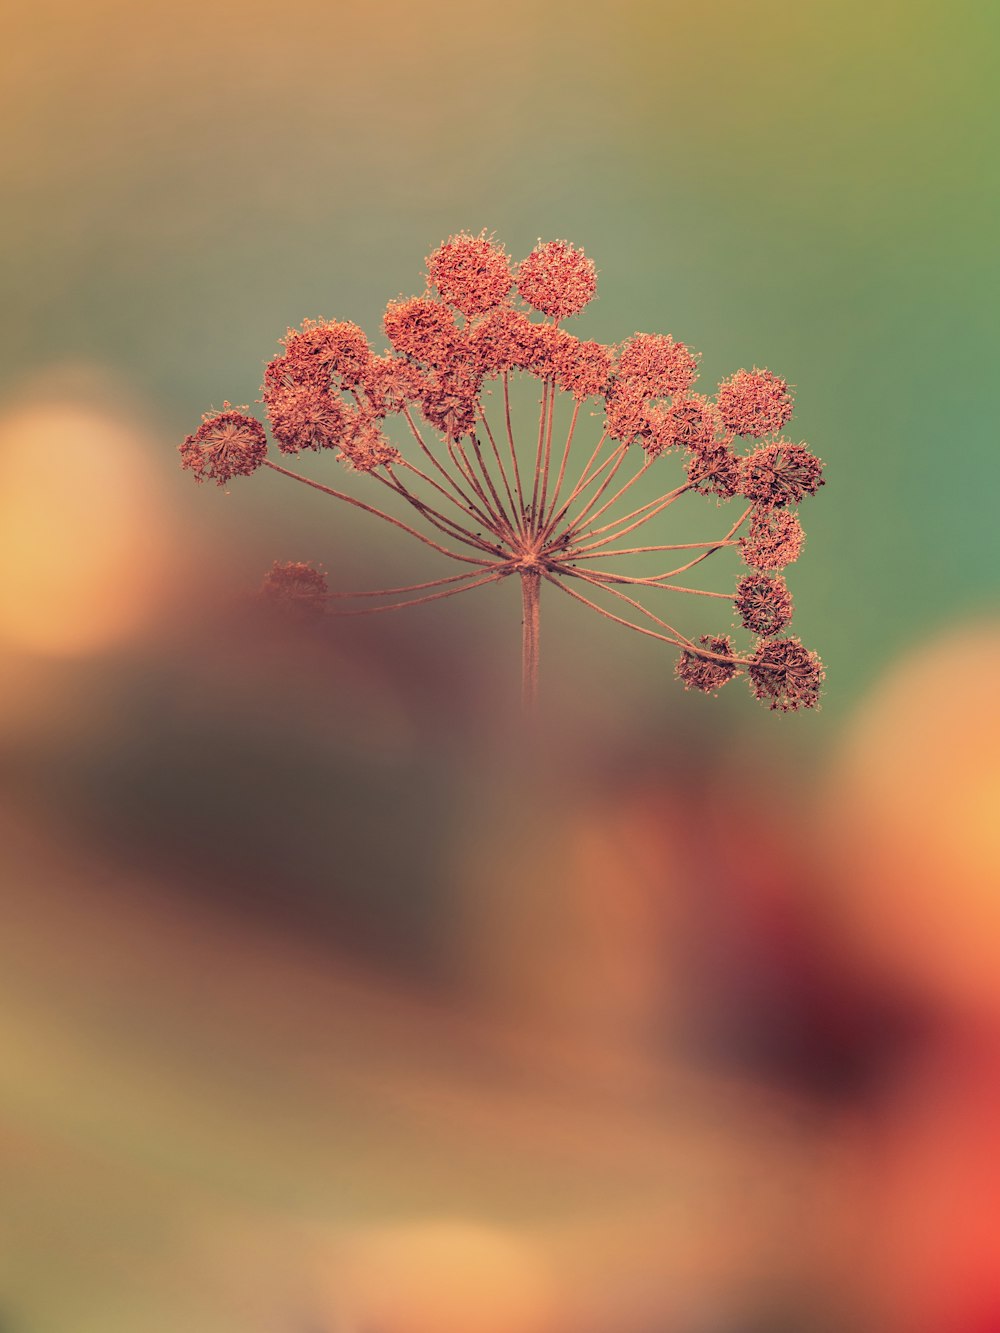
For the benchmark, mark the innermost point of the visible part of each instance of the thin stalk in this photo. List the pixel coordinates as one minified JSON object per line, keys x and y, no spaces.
{"x":530,"y":597}
{"x":410,"y":587}
{"x":517,"y":518}
{"x":370,"y":509}
{"x":562,"y":466}
{"x":513,"y":449}
{"x":419,"y":601}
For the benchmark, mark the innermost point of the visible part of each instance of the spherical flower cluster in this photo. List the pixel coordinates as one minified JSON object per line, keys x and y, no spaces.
{"x":764,"y":604}
{"x":780,"y":474}
{"x":295,"y":585}
{"x":390,"y":382}
{"x":363,"y":447}
{"x":715,"y":472}
{"x":326,"y":350}
{"x":557,"y":279}
{"x":579,"y":368}
{"x":754,"y":403}
{"x":227,"y":444}
{"x":775,"y":540}
{"x":689,"y":421}
{"x":470,"y":272}
{"x":785,"y":675}
{"x":705,"y":673}
{"x":305,"y":417}
{"x":423,"y":328}
{"x":449,"y":400}
{"x":655,"y":366}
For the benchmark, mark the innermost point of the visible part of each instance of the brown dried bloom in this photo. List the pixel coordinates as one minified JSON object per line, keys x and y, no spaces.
{"x":780,"y":474}
{"x":754,"y":403}
{"x":295,"y":585}
{"x":785,"y":675}
{"x":432,"y":427}
{"x":557,"y":279}
{"x":764,"y":604}
{"x":710,"y":670}
{"x":227,"y":444}
{"x":471,"y":272}
{"x":775,"y":540}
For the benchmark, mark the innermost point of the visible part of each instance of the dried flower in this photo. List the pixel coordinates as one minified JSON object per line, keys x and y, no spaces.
{"x":775,"y":540}
{"x":780,"y":474}
{"x":754,"y":403}
{"x":785,"y":675}
{"x":764,"y":604}
{"x":471,"y":272}
{"x":418,"y":421}
{"x":557,"y":279}
{"x":227,"y":444}
{"x":295,"y":585}
{"x":700,"y":671}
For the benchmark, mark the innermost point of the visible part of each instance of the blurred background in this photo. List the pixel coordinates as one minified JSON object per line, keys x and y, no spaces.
{"x":328,"y":1004}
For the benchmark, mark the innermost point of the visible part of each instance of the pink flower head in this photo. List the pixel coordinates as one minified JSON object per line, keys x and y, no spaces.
{"x":557,"y":279}
{"x":580,"y":368}
{"x":390,"y":383}
{"x":764,"y":604}
{"x":505,"y":339}
{"x":227,"y":444}
{"x":471,"y":272}
{"x":627,"y":414}
{"x":655,"y":365}
{"x":363,"y":447}
{"x":706,"y":673}
{"x":326,"y":349}
{"x":780,"y":474}
{"x":688,"y":421}
{"x":295,"y":585}
{"x":305,"y":417}
{"x":786,"y":675}
{"x":754,"y":403}
{"x":449,"y":400}
{"x":775,"y":539}
{"x":423,"y":328}
{"x":715,"y":472}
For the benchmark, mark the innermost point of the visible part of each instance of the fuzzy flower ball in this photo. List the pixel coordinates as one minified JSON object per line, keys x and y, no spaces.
{"x":227,"y":444}
{"x":786,"y":675}
{"x":471,"y":272}
{"x":764,"y":604}
{"x":754,"y":403}
{"x":706,"y":673}
{"x":557,"y":279}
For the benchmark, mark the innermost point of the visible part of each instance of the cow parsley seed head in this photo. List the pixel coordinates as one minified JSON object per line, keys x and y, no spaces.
{"x":754,"y":403}
{"x":785,"y":675}
{"x":780,"y":474}
{"x":227,"y":444}
{"x":764,"y":604}
{"x":557,"y":279}
{"x":471,"y":272}
{"x":707,"y":672}
{"x":775,"y":539}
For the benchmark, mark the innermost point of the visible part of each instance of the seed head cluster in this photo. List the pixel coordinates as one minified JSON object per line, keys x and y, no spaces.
{"x":432,"y":423}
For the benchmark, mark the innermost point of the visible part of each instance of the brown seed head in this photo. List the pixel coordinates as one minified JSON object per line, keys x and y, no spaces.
{"x":785,"y":675}
{"x":471,"y":272}
{"x":655,"y":366}
{"x":227,"y":444}
{"x":305,"y":417}
{"x":754,"y":403}
{"x":423,"y":328}
{"x":324,"y":350}
{"x":764,"y":604}
{"x":706,"y":673}
{"x":557,"y":279}
{"x":296,"y":586}
{"x":775,"y":539}
{"x":780,"y":474}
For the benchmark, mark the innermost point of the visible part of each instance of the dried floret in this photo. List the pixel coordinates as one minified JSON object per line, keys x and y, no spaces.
{"x":775,"y":539}
{"x":326,"y":350}
{"x":780,"y":474}
{"x":295,"y":585}
{"x":704,"y":672}
{"x":785,"y":675}
{"x":764,"y":604}
{"x":227,"y":444}
{"x":715,"y":472}
{"x":423,"y":328}
{"x":656,"y":366}
{"x":305,"y":417}
{"x":471,"y":272}
{"x":754,"y":403}
{"x":557,"y":278}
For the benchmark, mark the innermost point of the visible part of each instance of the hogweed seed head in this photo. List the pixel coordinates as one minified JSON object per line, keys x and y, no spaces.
{"x":754,"y":403}
{"x":427,"y":421}
{"x":227,"y":444}
{"x":557,"y":279}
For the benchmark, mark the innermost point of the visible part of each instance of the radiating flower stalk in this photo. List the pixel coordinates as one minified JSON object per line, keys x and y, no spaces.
{"x":523,"y":505}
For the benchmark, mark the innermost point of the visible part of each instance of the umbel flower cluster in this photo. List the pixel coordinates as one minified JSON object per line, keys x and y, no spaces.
{"x":544,"y":505}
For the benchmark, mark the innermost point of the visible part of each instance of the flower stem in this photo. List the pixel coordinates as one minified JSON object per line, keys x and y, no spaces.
{"x":530,"y":591}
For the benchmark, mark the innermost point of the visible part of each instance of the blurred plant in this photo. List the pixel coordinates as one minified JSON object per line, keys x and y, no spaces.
{"x":508,"y":502}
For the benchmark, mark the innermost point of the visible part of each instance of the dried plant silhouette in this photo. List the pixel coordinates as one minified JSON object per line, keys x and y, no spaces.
{"x":522,"y":504}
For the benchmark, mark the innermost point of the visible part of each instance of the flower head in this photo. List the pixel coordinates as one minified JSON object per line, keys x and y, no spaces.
{"x":780,"y":474}
{"x":305,"y":417}
{"x":785,"y":675}
{"x":775,"y":540}
{"x":363,"y":447}
{"x":227,"y":444}
{"x":754,"y":403}
{"x":294,"y":584}
{"x":706,"y":672}
{"x":390,"y":382}
{"x":655,"y":366}
{"x":688,"y":421}
{"x":715,"y":472}
{"x":471,"y":272}
{"x":557,"y":279}
{"x":764,"y":604}
{"x":324,"y":350}
{"x":505,"y":339}
{"x":423,"y":328}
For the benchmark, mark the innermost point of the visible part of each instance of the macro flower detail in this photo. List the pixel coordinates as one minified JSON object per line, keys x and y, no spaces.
{"x":785,"y":675}
{"x":557,"y":279}
{"x":764,"y":604}
{"x":754,"y":403}
{"x":227,"y":444}
{"x":432,"y":427}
